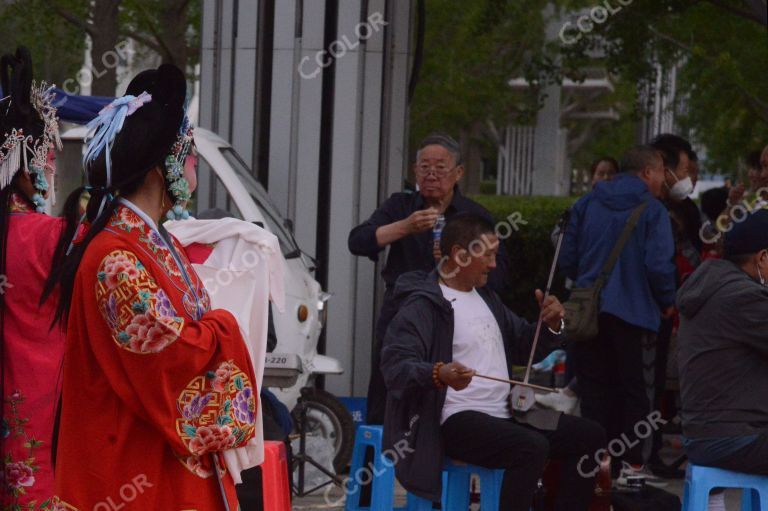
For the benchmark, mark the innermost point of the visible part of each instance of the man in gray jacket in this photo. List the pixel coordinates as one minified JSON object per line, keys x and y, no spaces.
{"x":723,"y":353}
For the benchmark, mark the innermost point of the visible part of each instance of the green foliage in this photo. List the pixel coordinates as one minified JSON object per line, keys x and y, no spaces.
{"x":722,"y":95}
{"x":471,"y":51}
{"x":57,"y":47}
{"x":530,"y":249}
{"x":607,"y":137}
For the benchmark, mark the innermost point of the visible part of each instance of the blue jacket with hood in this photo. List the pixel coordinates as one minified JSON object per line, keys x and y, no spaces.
{"x":643,"y":280}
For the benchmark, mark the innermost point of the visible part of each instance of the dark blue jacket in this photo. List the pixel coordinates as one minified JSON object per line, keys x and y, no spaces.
{"x":420,"y":335}
{"x":643,"y":280}
{"x":413,"y":252}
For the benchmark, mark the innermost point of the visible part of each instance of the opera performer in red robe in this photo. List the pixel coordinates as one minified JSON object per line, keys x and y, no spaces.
{"x":156,"y":384}
{"x":31,"y":352}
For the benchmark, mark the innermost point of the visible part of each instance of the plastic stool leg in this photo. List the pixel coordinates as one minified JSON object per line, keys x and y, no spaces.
{"x":763,"y":499}
{"x":698,"y":498}
{"x":382,"y":495}
{"x":418,"y":504}
{"x":490,"y":489}
{"x":457,"y":494}
{"x":353,"y":489}
{"x":749,"y":500}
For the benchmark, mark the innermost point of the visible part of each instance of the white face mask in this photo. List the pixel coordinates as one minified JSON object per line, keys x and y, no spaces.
{"x":681,"y":189}
{"x":760,"y":275}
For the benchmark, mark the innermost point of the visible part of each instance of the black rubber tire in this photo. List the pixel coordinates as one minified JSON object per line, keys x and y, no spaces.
{"x":321,"y":401}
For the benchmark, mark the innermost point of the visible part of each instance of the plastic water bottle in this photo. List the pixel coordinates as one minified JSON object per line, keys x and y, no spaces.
{"x":437,"y":231}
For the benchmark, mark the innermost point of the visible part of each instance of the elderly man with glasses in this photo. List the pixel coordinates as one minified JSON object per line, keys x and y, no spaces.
{"x":404,"y":222}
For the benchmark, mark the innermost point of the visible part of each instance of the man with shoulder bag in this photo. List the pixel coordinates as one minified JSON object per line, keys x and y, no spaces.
{"x":618,"y":250}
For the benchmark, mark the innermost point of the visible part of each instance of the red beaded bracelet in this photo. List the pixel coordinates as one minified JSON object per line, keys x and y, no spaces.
{"x":436,"y":375}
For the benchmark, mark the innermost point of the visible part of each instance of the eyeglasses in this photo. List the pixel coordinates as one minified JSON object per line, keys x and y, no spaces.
{"x":438,"y":170}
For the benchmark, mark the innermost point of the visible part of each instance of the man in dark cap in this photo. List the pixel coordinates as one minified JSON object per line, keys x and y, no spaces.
{"x":723,"y":353}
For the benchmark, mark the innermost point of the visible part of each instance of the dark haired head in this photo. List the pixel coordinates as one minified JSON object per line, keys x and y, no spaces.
{"x":607,"y":159}
{"x":444,"y":140}
{"x":462,"y":229}
{"x":146,"y":136}
{"x":16,"y":109}
{"x":670,"y":146}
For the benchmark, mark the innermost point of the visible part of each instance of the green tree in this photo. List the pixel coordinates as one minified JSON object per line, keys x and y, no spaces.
{"x":719,"y":48}
{"x":55,"y":31}
{"x":471,"y":51}
{"x":57,"y":48}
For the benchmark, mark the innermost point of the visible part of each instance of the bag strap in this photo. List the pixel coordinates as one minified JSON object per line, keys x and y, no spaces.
{"x":619,"y":246}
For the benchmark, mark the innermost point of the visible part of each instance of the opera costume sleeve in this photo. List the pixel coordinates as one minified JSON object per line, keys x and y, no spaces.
{"x":210,"y":400}
{"x":156,"y":385}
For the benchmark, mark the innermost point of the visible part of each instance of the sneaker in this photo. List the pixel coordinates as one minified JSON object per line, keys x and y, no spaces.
{"x":632,"y":476}
{"x":558,"y":401}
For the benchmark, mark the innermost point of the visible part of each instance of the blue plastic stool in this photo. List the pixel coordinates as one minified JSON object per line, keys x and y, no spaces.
{"x":382,"y":476}
{"x":456,"y":494}
{"x":456,"y":488}
{"x":699,"y":482}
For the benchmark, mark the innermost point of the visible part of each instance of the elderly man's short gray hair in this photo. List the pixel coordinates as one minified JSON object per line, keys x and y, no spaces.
{"x":443,"y":140}
{"x":638,"y":159}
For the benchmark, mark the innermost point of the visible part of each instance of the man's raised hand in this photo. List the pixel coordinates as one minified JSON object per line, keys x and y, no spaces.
{"x":552,"y":311}
{"x":421,"y":220}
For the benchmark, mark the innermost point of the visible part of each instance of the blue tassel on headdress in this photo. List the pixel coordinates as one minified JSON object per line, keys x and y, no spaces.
{"x":102,"y":131}
{"x":104,"y":128}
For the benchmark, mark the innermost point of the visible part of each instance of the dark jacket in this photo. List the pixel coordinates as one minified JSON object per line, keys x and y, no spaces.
{"x":644,"y":278}
{"x":723,"y":352}
{"x":413,"y":252}
{"x":420,"y":335}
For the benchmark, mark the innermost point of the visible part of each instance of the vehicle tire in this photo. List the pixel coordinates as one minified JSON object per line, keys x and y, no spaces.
{"x":328,"y":417}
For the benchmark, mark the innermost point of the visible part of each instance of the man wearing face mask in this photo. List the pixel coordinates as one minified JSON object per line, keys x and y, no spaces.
{"x":680,"y":170}
{"x":723,"y":353}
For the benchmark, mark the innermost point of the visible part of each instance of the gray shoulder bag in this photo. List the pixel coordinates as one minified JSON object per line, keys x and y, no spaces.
{"x":583,"y":305}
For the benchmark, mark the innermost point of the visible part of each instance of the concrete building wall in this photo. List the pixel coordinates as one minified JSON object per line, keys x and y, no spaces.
{"x":336,"y":135}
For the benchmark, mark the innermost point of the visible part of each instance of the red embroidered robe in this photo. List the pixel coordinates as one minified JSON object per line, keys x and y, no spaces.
{"x":32,"y":357}
{"x":156,"y":385}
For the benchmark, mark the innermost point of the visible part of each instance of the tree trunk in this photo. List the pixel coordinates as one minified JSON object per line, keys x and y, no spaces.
{"x":173,"y":20}
{"x":104,"y":55}
{"x":473,"y":161}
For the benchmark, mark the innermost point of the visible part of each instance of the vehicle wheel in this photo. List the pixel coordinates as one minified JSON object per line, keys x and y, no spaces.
{"x":328,"y":418}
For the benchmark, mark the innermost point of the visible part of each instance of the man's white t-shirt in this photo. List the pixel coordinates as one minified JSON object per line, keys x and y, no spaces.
{"x":477,"y":343}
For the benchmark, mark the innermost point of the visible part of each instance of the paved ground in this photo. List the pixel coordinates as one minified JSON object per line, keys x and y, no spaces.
{"x":333,"y":498}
